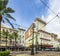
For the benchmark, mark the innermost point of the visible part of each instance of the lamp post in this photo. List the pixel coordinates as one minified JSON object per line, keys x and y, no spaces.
{"x":37,"y":39}
{"x":32,"y":47}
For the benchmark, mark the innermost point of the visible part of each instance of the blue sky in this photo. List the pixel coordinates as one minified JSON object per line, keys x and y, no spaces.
{"x":27,"y":10}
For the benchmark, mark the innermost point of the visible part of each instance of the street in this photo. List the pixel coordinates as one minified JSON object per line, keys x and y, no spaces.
{"x":40,"y":53}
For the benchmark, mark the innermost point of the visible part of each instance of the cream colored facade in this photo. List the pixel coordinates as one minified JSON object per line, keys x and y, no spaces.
{"x":54,"y":40}
{"x":58,"y":40}
{"x":39,"y":24}
{"x":3,"y":40}
{"x":44,"y":38}
{"x":20,"y":32}
{"x":21,"y":38}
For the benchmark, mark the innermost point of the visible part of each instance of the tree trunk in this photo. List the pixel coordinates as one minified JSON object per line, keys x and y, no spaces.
{"x":10,"y":42}
{"x":6,"y":42}
{"x":0,"y":33}
{"x":0,"y":28}
{"x":15,"y":44}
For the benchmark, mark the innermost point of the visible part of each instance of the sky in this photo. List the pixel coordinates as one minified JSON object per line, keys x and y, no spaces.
{"x":54,"y":25}
{"x":26,"y":12}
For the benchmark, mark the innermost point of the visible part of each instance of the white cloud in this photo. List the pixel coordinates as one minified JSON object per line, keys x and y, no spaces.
{"x":55,"y":5}
{"x":54,"y":26}
{"x":43,"y":18}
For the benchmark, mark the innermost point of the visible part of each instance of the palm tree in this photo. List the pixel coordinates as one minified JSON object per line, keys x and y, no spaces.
{"x":5,"y":13}
{"x":11,"y":37}
{"x":15,"y":36}
{"x":5,"y":35}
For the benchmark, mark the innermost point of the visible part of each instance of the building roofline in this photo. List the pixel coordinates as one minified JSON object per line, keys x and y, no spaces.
{"x":40,"y":20}
{"x":8,"y":28}
{"x":35,"y":20}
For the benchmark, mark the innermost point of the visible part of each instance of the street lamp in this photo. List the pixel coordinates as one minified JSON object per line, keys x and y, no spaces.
{"x":32,"y":50}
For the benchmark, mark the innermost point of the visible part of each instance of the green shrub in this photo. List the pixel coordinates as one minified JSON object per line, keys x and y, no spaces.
{"x":4,"y":53}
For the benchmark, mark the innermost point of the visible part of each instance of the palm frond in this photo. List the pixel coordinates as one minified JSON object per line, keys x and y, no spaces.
{"x":9,"y":10}
{"x":3,"y":21}
{"x":3,"y":32}
{"x":11,"y":36}
{"x":9,"y":22}
{"x":6,"y":32}
{"x":15,"y":34}
{"x":3,"y":4}
{"x":9,"y":16}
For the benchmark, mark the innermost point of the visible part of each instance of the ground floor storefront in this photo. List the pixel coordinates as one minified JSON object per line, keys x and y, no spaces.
{"x":39,"y":48}
{"x":12,"y":48}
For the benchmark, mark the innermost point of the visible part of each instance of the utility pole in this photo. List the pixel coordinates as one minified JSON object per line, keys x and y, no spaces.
{"x":37,"y":39}
{"x":36,"y":43}
{"x":32,"y":47}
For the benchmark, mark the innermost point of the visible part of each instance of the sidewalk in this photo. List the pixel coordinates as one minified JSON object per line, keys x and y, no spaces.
{"x":43,"y":53}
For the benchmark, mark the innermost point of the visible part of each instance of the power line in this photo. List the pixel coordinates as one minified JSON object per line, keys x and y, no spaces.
{"x":48,"y":7}
{"x":50,"y":20}
{"x":18,"y":25}
{"x":51,"y":11}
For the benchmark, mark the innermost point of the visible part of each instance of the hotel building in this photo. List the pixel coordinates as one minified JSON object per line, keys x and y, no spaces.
{"x":20,"y":37}
{"x":41,"y":36}
{"x":44,"y":38}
